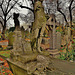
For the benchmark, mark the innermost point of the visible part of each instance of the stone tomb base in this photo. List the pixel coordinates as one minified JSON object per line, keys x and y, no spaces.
{"x":32,"y":67}
{"x":54,"y":53}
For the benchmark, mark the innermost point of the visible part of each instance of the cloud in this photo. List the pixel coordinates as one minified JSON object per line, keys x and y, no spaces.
{"x":19,"y":10}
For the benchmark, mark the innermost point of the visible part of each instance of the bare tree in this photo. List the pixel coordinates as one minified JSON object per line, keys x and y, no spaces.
{"x":59,"y":9}
{"x":70,"y":11}
{"x":5,"y":9}
{"x":26,"y":7}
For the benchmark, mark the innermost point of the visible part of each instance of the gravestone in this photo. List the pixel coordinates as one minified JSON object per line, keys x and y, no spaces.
{"x":53,"y":38}
{"x":52,"y":24}
{"x":20,"y":45}
{"x":58,"y":40}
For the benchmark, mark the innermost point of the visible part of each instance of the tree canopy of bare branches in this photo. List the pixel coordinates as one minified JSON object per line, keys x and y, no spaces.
{"x":70,"y":8}
{"x":6,"y":6}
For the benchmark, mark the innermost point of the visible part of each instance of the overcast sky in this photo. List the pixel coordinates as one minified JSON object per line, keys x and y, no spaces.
{"x":23,"y":11}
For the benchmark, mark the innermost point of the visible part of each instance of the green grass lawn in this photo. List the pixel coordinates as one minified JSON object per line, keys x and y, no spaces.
{"x":5,"y":53}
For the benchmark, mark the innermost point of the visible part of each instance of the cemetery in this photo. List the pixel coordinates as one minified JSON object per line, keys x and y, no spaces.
{"x":44,"y":47}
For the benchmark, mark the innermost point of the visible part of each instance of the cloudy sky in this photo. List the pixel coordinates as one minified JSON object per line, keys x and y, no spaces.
{"x":19,"y":10}
{"x":23,"y":11}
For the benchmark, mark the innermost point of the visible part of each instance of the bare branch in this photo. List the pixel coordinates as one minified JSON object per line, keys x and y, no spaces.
{"x":71,"y":3}
{"x":32,"y":2}
{"x":58,"y":4}
{"x":7,"y":5}
{"x":63,"y":16}
{"x":2,"y":2}
{"x":9,"y":18}
{"x":2,"y":17}
{"x":70,"y":11}
{"x":26,"y":8}
{"x":59,"y":9}
{"x":1,"y":6}
{"x":72,"y":8}
{"x":12,"y":6}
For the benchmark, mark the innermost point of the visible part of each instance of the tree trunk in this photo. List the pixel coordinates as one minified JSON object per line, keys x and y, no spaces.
{"x":4,"y":29}
{"x":70,"y":12}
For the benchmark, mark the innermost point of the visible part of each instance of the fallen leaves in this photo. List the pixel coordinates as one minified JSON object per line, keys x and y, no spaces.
{"x":5,"y":70}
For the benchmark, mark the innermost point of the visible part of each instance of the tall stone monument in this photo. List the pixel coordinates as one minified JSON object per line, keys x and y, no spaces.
{"x":53,"y":34}
{"x":55,"y":37}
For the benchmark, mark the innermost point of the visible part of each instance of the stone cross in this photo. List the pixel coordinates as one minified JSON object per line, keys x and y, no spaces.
{"x":54,"y":38}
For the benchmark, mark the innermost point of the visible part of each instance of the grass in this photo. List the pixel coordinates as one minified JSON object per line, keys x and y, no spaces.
{"x":5,"y":53}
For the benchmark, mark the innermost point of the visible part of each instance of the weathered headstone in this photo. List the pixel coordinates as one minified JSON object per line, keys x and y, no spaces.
{"x":58,"y":40}
{"x":20,"y":45}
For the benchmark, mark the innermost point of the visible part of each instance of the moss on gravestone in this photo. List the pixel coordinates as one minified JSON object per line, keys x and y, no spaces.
{"x":11,"y":38}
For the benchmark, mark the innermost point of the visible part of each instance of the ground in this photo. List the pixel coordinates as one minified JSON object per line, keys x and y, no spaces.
{"x":62,"y":67}
{"x":5,"y":69}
